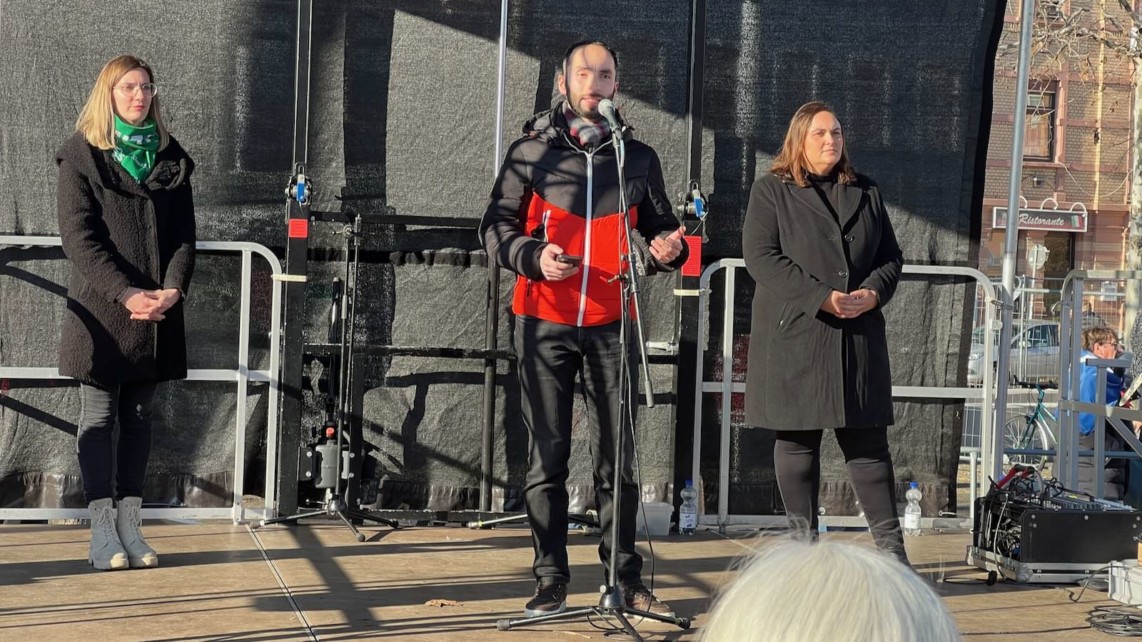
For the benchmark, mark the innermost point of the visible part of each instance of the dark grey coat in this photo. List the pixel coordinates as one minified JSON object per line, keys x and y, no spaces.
{"x":808,"y":369}
{"x":119,"y":233}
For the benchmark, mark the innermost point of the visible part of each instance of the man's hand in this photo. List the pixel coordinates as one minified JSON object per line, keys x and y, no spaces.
{"x":143,"y":305}
{"x":667,"y":248}
{"x":849,"y":306}
{"x":555,"y":270}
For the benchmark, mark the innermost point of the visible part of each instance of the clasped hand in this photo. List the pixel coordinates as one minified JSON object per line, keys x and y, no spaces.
{"x":851,"y":305}
{"x":149,"y":305}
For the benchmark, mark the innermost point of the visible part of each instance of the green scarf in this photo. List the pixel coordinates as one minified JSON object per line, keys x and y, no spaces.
{"x":135,"y":147}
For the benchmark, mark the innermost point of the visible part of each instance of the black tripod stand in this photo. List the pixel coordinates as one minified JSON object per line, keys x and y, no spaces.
{"x":333,"y":447}
{"x":612,"y":603}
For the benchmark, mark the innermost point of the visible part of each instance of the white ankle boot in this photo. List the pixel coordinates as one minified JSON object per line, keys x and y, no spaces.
{"x":128,"y":523}
{"x":106,"y":552}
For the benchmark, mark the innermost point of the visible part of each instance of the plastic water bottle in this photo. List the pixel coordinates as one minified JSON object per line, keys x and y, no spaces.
{"x":912,"y":510}
{"x":688,"y":511}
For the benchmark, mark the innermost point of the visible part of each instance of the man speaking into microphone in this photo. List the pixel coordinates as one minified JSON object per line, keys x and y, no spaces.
{"x":555,"y":220}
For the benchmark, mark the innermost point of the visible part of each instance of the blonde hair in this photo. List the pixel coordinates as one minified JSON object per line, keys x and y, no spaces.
{"x":97,"y":119}
{"x":790,"y":163}
{"x":798,"y":591}
{"x":1097,"y":334}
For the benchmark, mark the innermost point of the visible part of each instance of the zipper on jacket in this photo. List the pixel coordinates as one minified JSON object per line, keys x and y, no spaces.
{"x":587,"y":237}
{"x":589,"y":156}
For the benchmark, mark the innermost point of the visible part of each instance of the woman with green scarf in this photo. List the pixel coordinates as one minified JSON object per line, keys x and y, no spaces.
{"x":126,"y":217}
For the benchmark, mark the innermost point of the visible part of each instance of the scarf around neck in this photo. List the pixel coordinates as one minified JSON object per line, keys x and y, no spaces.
{"x":588,"y":134}
{"x":135,"y":147}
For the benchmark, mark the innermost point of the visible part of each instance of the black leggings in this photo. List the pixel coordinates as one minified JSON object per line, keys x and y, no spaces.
{"x":797,"y":459}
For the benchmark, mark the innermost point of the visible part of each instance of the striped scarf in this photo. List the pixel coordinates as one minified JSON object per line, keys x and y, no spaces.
{"x":588,"y":134}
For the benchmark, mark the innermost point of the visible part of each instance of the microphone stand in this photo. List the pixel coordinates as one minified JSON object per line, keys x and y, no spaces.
{"x":611,"y":601}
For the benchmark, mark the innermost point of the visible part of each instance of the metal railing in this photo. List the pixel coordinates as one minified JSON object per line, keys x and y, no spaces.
{"x":727,"y":387}
{"x":242,"y":375}
{"x":1035,"y":335}
{"x":1070,"y":404}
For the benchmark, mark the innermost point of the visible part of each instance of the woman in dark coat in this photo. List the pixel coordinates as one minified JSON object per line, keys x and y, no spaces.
{"x":126,"y":217}
{"x":818,"y":242}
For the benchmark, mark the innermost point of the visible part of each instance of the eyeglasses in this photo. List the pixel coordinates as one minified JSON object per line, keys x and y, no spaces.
{"x":1112,"y":343}
{"x":149,"y":89}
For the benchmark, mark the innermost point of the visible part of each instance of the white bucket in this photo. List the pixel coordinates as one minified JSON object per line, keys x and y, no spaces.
{"x":654,"y":517}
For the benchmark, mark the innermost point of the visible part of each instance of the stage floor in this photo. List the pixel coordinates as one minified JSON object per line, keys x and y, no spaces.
{"x":221,"y":582}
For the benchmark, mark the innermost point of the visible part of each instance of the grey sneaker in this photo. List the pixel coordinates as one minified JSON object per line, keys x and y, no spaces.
{"x":549,"y":599}
{"x":639,"y":598}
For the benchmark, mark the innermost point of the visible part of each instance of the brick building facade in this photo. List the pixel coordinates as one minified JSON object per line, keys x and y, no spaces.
{"x":1076,"y":152}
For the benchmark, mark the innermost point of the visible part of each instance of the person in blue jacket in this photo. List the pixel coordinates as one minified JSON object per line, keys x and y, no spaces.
{"x":1100,"y":343}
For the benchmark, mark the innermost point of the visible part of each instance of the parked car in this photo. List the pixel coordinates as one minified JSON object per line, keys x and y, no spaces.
{"x":1034,"y":353}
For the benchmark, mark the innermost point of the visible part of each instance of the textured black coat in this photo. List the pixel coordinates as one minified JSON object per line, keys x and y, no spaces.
{"x":119,"y":233}
{"x":808,"y":369}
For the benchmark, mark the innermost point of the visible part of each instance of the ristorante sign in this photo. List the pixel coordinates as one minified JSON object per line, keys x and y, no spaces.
{"x":1035,"y":219}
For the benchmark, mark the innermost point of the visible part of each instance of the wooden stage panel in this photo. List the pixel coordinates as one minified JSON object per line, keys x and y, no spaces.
{"x":214,"y":583}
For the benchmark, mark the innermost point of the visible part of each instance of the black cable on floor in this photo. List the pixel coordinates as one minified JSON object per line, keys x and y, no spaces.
{"x":1123,"y":621}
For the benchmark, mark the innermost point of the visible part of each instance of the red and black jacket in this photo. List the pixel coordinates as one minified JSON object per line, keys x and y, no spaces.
{"x":552,"y":190}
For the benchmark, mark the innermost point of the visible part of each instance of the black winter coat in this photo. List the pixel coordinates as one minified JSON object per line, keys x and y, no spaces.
{"x":119,"y":233}
{"x":808,"y":369}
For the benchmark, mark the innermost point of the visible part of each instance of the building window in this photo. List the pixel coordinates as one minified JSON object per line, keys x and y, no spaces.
{"x":1039,"y":130}
{"x":1051,"y":10}
{"x":1046,"y":11}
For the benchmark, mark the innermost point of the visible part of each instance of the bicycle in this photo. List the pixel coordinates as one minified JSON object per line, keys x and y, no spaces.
{"x":1030,"y":431}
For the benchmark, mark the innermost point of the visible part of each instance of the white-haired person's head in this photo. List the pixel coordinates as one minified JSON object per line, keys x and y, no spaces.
{"x":797,"y":591}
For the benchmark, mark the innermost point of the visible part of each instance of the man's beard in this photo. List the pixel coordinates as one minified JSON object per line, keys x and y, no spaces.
{"x":592,"y":115}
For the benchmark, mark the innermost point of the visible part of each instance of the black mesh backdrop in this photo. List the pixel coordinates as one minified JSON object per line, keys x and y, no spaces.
{"x":440,"y":161}
{"x":226,"y":75}
{"x":402,"y":121}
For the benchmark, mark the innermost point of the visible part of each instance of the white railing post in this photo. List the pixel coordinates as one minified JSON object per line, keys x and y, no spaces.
{"x":241,"y":375}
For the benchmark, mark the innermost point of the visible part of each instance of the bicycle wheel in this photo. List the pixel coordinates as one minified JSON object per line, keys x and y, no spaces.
{"x":1023,"y":432}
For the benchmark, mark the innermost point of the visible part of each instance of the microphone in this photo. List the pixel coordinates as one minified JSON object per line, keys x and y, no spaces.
{"x":607,"y":110}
